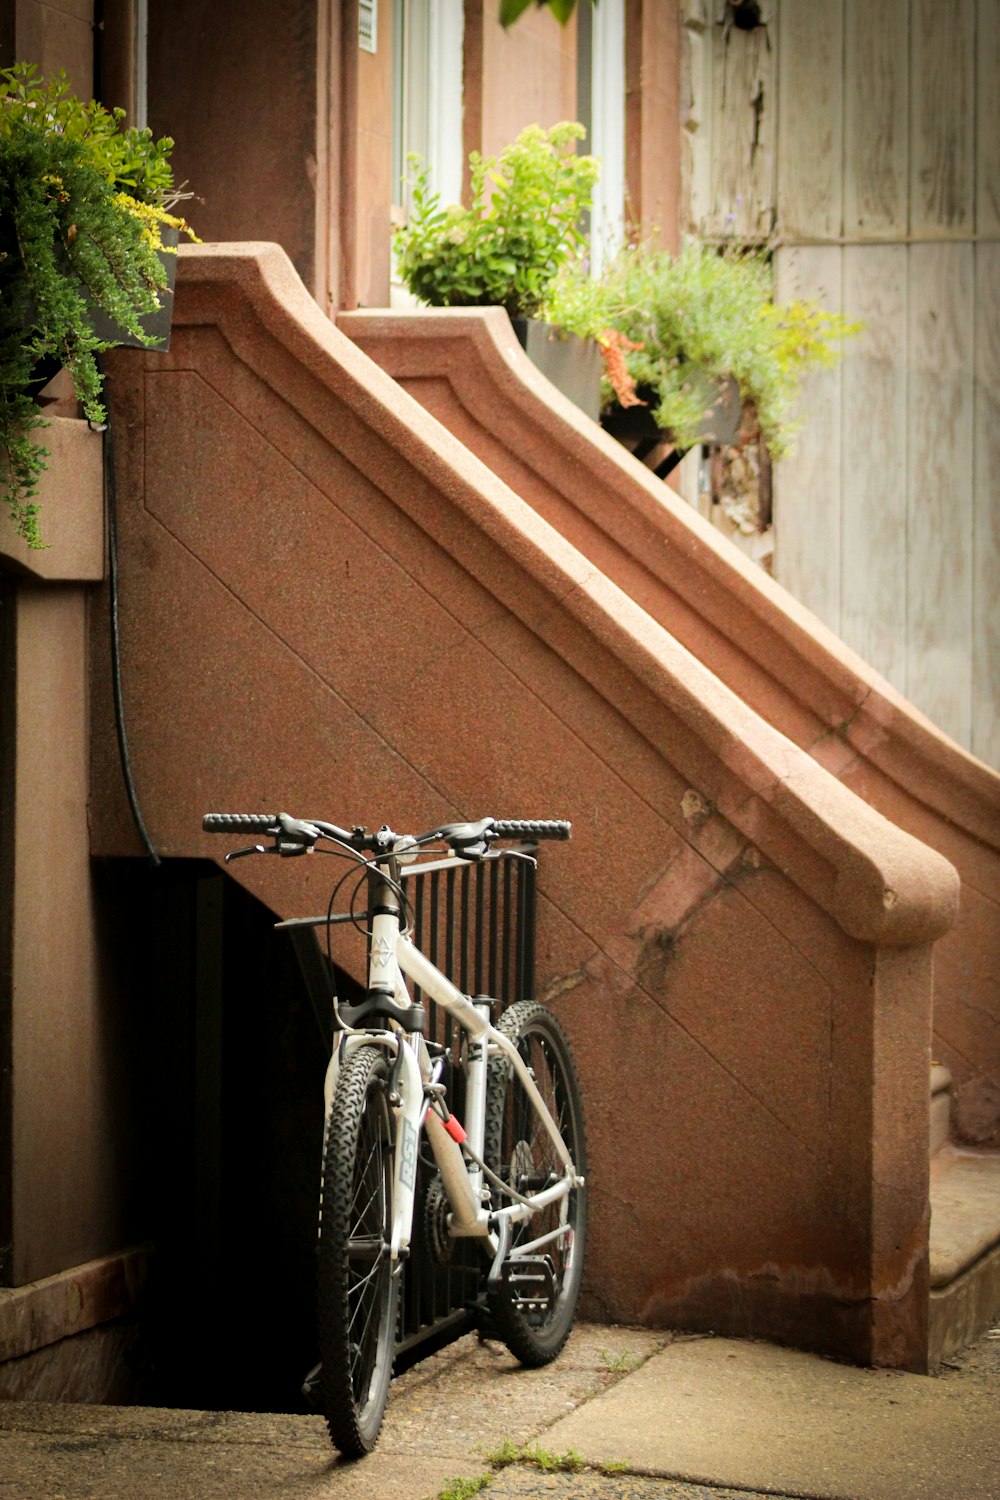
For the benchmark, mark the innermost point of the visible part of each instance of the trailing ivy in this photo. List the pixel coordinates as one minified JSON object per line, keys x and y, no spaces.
{"x":81,"y":210}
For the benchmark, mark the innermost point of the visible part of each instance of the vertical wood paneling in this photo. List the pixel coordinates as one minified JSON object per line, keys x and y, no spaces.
{"x":807,"y":484}
{"x":810,"y":135}
{"x":986,"y":491}
{"x":988,"y":118}
{"x":730,"y":118}
{"x":696,"y":113}
{"x":887,"y":514}
{"x":743,"y":127}
{"x":940,"y":522}
{"x":942,"y":116}
{"x":875,"y":472}
{"x":876,"y":143}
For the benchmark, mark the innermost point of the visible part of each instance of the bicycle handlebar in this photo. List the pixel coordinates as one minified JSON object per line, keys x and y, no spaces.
{"x":471,"y":839}
{"x":531,"y":828}
{"x":240,"y":823}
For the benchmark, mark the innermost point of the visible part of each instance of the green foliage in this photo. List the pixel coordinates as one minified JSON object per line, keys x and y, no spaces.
{"x":81,"y":209}
{"x":464,"y":1489}
{"x":683,"y":324}
{"x":618,"y":1364}
{"x":522,"y":225}
{"x":128,"y":159}
{"x":532,"y":1456}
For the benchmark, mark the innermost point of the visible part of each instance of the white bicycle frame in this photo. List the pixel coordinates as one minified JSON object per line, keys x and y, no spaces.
{"x":394,"y":958}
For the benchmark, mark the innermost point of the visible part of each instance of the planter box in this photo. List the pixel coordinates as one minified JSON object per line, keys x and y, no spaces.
{"x":572,"y":364}
{"x":156,"y":324}
{"x":635,"y":429}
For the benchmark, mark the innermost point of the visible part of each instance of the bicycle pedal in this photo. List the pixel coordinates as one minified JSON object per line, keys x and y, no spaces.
{"x":311,"y":1389}
{"x":531,"y":1282}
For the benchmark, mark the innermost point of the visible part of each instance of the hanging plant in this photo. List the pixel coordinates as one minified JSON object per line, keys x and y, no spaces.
{"x":687,"y":335}
{"x":84,"y":203}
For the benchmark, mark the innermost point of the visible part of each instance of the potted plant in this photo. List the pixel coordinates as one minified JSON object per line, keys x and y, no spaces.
{"x":523,"y":224}
{"x":695,"y":348}
{"x":84,"y":208}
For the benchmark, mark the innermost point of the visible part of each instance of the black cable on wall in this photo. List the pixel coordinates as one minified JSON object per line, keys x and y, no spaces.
{"x":110,"y":501}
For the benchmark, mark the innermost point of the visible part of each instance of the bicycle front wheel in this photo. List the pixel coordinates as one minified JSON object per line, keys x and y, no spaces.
{"x":533,"y":1308}
{"x":357,"y":1290}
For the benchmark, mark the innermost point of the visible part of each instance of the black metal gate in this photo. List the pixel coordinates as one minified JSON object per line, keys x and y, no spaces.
{"x":475,"y":922}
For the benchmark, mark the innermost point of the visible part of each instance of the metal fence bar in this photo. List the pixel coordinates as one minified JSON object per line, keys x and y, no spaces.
{"x":479,"y":928}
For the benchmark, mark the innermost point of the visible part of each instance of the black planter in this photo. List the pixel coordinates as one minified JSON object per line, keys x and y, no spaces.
{"x":156,"y":324}
{"x":21,"y":311}
{"x":572,"y":364}
{"x":635,"y":428}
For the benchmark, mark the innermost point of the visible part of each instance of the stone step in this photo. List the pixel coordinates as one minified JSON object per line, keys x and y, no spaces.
{"x":964,"y":1247}
{"x":940,"y":1105}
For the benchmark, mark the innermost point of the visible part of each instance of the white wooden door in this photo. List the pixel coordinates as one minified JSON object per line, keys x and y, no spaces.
{"x":862,"y":137}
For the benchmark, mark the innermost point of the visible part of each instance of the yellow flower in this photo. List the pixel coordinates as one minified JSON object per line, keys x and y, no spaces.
{"x":57,"y":183}
{"x":152,"y":220}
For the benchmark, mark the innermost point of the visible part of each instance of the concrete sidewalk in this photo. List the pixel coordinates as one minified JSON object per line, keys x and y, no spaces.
{"x":648,"y":1414}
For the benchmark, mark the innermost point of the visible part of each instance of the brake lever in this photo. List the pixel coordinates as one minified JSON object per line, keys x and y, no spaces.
{"x":476,"y":852}
{"x":488,"y":853}
{"x":292,"y":837}
{"x":253,"y":849}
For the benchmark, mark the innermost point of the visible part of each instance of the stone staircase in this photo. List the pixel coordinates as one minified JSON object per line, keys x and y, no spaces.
{"x":964,"y":1234}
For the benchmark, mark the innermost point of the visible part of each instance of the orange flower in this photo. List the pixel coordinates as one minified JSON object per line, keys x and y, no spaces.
{"x":613,"y":346}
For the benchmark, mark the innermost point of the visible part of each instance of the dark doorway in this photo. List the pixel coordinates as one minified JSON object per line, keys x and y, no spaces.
{"x":230,"y":1117}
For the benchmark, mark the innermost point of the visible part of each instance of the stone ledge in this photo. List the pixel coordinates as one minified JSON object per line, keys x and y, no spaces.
{"x":71,"y":519}
{"x":43,"y":1312}
{"x":777,"y":655}
{"x":960,"y":1312}
{"x":965,"y":1211}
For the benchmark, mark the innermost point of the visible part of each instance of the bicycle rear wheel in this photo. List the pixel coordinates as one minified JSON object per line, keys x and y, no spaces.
{"x":521,"y":1152}
{"x":357,"y":1291}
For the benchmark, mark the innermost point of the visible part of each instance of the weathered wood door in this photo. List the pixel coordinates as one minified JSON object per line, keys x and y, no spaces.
{"x":862,"y":139}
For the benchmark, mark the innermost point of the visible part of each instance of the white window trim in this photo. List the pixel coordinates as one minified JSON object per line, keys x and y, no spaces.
{"x":607,"y":129}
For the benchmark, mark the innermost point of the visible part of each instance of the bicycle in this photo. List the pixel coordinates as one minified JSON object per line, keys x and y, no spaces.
{"x":511,"y":1176}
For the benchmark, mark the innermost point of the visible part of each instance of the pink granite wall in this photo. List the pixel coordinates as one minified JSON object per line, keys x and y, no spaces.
{"x":330,"y":606}
{"x":236,"y":86}
{"x":65,"y":1158}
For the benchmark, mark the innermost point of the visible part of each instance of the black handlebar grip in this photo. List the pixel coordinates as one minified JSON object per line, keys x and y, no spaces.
{"x":531,"y":828}
{"x":240,"y":823}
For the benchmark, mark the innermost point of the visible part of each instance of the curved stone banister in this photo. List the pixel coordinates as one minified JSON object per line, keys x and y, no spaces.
{"x":329,"y":604}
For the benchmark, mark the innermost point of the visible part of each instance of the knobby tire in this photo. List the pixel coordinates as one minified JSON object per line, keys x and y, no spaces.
{"x":357,"y":1292}
{"x":520,"y":1150}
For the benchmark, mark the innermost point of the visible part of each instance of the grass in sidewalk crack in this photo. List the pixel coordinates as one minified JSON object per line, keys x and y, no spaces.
{"x":529,"y":1456}
{"x":464,"y":1489}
